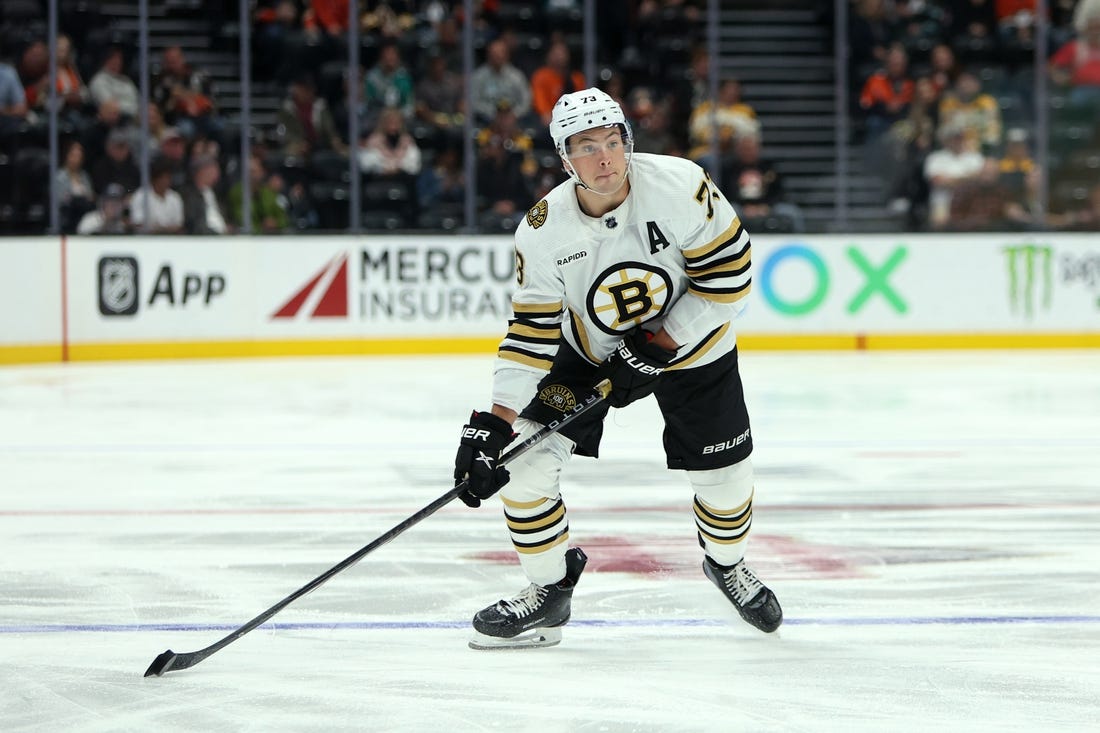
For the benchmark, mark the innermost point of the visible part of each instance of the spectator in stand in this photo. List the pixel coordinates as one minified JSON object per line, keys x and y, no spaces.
{"x":110,"y":217}
{"x":388,"y":20}
{"x":1016,"y":163}
{"x":502,"y":185}
{"x":505,"y":130}
{"x":1018,"y":176}
{"x":110,"y":84}
{"x":165,"y":206}
{"x":157,"y":129}
{"x":1076,"y":63}
{"x":886,"y":96}
{"x":300,"y":208}
{"x":978,"y":204}
{"x":733,"y":119}
{"x":326,"y":19}
{"x":96,"y":130}
{"x":974,"y":22}
{"x":391,"y":154}
{"x":945,"y":68}
{"x":947,"y":169}
{"x":688,"y":93}
{"x":201,"y":147}
{"x":978,"y":113}
{"x":912,"y":139}
{"x":554,"y":78}
{"x":388,"y":85}
{"x":755,"y":187}
{"x":305,"y":122}
{"x":1084,"y":219}
{"x":648,"y":121}
{"x":173,"y":151}
{"x":74,"y":187}
{"x":443,"y":182}
{"x":269,"y":215}
{"x":447,"y":41}
{"x":440,"y":102}
{"x":614,"y":85}
{"x":339,"y":107}
{"x":118,"y":165}
{"x":390,"y":151}
{"x":496,"y":81}
{"x":870,"y":34}
{"x":13,"y":100}
{"x":202,"y":210}
{"x":186,"y":96}
{"x":70,"y":86}
{"x":1016,"y":22}
{"x":273,"y":27}
{"x":920,"y":23}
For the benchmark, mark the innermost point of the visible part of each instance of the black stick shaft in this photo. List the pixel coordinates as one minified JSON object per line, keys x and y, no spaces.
{"x":170,"y":660}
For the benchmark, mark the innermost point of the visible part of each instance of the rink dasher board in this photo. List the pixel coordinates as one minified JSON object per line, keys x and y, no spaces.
{"x":88,"y":298}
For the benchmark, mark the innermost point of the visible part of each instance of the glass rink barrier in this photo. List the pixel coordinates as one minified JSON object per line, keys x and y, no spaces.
{"x":200,"y":117}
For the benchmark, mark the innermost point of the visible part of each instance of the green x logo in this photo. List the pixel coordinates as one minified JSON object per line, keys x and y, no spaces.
{"x":876,"y":280}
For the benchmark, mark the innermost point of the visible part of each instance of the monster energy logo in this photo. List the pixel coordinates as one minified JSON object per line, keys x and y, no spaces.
{"x":1024,"y":285}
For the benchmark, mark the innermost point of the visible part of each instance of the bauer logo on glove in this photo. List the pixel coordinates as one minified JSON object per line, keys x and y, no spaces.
{"x":635,"y":363}
{"x":634,"y":367}
{"x":483,"y":438}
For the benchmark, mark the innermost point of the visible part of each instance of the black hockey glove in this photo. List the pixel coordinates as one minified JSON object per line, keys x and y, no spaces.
{"x":483,"y":438}
{"x":634,"y":367}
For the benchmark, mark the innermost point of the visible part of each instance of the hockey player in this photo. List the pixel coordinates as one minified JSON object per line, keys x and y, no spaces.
{"x":631,"y":271}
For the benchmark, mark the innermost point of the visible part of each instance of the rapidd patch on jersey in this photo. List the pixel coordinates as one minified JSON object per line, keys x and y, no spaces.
{"x":536,"y":215}
{"x":558,"y":397}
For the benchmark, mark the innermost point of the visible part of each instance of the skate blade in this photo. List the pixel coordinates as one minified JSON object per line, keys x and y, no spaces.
{"x":533,"y":639}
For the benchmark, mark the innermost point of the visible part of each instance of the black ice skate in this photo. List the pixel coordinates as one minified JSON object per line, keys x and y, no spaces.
{"x":534,"y":617}
{"x":753,"y":600}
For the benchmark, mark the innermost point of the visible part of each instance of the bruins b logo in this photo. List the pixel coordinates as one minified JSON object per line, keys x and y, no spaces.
{"x":627,"y":295}
{"x":536,"y":215}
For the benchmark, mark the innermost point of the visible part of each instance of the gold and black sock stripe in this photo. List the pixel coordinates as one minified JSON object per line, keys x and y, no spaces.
{"x":722,"y":526}
{"x":536,"y":526}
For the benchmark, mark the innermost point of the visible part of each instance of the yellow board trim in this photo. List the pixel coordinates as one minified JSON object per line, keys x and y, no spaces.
{"x":38,"y":353}
{"x":917,"y":341}
{"x":327,"y":347}
{"x":30,"y":354}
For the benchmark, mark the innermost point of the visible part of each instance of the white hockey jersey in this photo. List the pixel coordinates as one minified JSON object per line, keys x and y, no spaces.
{"x":674,"y":254}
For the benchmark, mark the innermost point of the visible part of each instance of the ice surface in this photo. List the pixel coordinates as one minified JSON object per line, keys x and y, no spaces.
{"x":929,"y":522}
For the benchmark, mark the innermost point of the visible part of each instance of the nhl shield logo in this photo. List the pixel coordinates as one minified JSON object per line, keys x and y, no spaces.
{"x":118,"y":286}
{"x":558,"y":397}
{"x":536,"y":216}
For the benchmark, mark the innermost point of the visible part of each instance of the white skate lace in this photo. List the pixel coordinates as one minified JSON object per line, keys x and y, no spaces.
{"x":741,"y":583}
{"x":525,"y":603}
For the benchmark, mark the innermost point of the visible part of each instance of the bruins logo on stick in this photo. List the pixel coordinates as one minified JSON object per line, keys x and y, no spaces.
{"x":558,"y":397}
{"x":536,"y":215}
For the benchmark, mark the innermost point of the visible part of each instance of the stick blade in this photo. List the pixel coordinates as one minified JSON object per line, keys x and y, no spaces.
{"x":161,"y":664}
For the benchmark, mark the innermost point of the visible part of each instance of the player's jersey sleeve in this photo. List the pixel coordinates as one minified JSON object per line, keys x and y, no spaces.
{"x":534,"y":331}
{"x":717,"y":258}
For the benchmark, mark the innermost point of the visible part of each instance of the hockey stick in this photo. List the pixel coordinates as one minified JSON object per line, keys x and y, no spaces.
{"x":170,"y":660}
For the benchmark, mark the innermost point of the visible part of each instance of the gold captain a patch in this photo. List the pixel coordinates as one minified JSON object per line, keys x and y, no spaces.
{"x":558,"y":397}
{"x":536,"y":215}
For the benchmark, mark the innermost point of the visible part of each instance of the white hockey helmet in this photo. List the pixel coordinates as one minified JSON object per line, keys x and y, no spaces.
{"x":584,"y":110}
